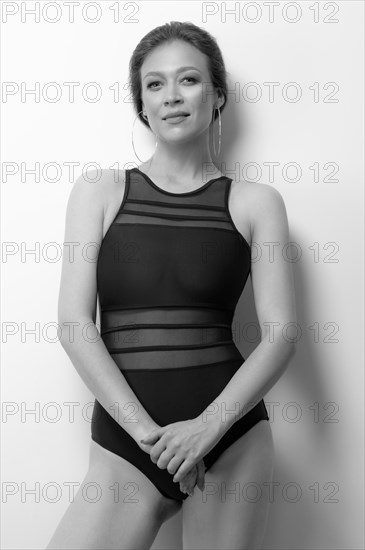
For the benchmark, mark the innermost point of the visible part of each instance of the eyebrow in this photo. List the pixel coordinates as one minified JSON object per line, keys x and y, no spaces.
{"x":180,"y":70}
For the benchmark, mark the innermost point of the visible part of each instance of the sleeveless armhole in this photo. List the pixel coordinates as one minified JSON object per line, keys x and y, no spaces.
{"x":122,"y":202}
{"x":124,"y":197}
{"x":226,"y":205}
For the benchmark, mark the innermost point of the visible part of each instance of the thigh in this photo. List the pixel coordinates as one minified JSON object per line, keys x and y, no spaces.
{"x":232,"y":511}
{"x":116,"y":507}
{"x":132,"y":482}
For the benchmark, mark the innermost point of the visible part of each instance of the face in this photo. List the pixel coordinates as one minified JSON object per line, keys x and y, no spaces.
{"x":169,"y":86}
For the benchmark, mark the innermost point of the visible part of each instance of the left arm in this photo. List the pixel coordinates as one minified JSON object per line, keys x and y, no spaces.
{"x":273,"y":288}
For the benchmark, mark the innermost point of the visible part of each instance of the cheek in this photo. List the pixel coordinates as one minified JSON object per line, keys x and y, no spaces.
{"x":151,"y":101}
{"x":203,"y":115}
{"x":154,"y":106}
{"x":201,"y":105}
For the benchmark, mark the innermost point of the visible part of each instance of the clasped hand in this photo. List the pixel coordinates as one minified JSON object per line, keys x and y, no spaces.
{"x":180,"y":447}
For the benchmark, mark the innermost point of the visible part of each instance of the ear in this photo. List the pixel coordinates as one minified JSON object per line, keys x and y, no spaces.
{"x":221,"y":100}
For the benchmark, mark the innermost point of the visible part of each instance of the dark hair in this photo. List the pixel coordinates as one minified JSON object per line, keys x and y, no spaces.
{"x":177,"y":30}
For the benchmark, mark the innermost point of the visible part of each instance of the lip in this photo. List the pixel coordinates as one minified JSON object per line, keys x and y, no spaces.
{"x":177,"y":114}
{"x":175,"y":119}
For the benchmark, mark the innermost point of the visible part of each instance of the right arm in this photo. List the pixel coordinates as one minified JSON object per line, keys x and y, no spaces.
{"x":77,"y":307}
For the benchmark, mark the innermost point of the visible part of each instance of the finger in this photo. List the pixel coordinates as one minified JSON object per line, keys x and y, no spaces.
{"x":146,"y":448}
{"x":201,"y":475}
{"x":174,"y":464}
{"x":164,"y":460}
{"x":189,"y":481}
{"x":157,"y":449}
{"x":183,"y":470}
{"x":152,"y":437}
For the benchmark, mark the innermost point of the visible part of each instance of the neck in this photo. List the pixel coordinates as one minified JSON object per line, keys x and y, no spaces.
{"x":176,"y":163}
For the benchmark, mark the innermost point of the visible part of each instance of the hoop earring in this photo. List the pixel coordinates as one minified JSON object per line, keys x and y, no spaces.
{"x":219,"y":132}
{"x":145,"y":116}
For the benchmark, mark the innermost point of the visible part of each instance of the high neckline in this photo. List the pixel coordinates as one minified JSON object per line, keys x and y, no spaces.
{"x":185,"y":193}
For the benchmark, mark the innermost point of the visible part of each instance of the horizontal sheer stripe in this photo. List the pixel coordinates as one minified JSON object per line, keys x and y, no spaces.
{"x":184,"y":218}
{"x":167,"y":306}
{"x":171,"y":315}
{"x":228,"y":362}
{"x":167,"y":213}
{"x":162,"y":348}
{"x":203,"y":207}
{"x":165,"y":337}
{"x":150,"y":359}
{"x":164,"y":326}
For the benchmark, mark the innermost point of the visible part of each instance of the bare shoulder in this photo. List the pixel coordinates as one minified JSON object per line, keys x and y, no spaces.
{"x":99,"y":190}
{"x":256,"y":204}
{"x":99,"y":181}
{"x":259,"y":197}
{"x":94,"y":185}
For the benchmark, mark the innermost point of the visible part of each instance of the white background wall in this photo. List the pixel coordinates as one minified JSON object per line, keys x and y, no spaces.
{"x":325,"y":381}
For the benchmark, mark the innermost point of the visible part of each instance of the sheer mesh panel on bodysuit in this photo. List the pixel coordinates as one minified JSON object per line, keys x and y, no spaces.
{"x":170,"y":271}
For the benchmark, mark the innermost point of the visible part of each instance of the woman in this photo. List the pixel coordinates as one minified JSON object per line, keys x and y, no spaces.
{"x":177,"y":406}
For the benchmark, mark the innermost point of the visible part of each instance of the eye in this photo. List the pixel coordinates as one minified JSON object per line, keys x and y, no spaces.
{"x":190,"y":78}
{"x":150,"y":85}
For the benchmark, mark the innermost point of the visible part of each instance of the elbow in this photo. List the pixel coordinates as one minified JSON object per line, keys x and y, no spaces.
{"x":285,"y":348}
{"x":282,"y":340}
{"x":291,"y":349}
{"x":64,"y":341}
{"x":63,"y":327}
{"x":75,"y":330}
{"x":285,"y":353}
{"x":65,"y":334}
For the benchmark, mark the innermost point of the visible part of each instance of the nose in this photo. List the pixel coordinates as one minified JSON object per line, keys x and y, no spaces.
{"x":172,"y":96}
{"x":171,"y":100}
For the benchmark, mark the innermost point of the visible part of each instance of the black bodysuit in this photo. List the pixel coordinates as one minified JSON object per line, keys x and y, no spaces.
{"x":171,"y":269}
